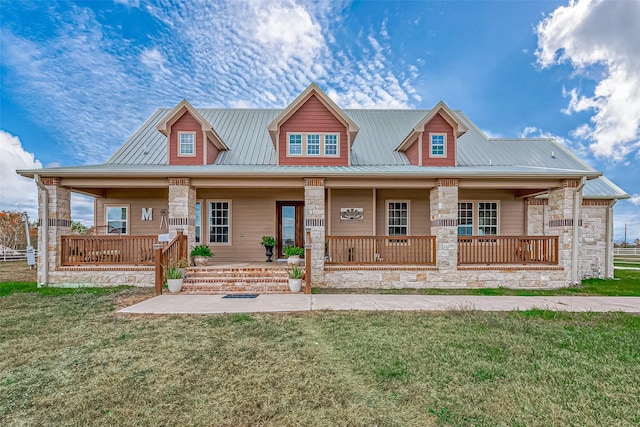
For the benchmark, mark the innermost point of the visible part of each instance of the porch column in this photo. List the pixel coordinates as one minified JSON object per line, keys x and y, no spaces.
{"x":182,"y":208}
{"x":444,"y":222}
{"x":58,"y":223}
{"x":315,"y":222}
{"x":536,"y":217}
{"x":560,"y":221}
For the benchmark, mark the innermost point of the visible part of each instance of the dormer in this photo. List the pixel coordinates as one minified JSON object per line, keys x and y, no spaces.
{"x":191,"y":140}
{"x":313,"y":131}
{"x":433,"y":140}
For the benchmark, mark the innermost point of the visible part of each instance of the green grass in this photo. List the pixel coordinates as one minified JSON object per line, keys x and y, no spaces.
{"x":626,"y":283}
{"x":8,"y":288}
{"x":70,"y":360}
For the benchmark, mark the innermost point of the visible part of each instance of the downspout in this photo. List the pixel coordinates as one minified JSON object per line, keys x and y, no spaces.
{"x":45,"y":232}
{"x":609,"y":239}
{"x":576,"y":222}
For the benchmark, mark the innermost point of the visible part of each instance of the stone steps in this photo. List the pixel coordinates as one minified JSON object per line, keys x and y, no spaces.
{"x":224,"y":280}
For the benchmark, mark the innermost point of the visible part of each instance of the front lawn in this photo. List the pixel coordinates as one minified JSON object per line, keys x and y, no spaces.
{"x":70,"y":360}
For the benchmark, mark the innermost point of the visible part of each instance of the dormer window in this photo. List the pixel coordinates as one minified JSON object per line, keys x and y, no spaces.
{"x":438,"y":145}
{"x":313,"y":144}
{"x":186,"y":144}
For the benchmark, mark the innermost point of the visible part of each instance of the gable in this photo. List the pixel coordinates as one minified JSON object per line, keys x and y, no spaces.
{"x":186,"y":124}
{"x":438,"y":127}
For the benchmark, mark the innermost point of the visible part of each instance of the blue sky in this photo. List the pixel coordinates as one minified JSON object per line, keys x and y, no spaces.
{"x":78,"y":78}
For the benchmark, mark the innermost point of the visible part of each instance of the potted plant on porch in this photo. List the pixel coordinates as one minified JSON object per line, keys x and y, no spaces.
{"x":174,"y":275}
{"x":296,"y":274}
{"x":268,"y":242}
{"x":293,"y":254}
{"x":201,"y":254}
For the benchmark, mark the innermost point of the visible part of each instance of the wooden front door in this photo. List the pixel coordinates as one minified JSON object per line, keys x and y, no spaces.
{"x":290,"y":225}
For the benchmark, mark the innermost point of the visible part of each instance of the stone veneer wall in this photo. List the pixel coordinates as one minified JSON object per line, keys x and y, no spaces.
{"x":182,"y":208}
{"x":593,"y":241}
{"x":58,"y":224}
{"x":443,"y":200}
{"x":74,"y":277}
{"x":314,"y":212}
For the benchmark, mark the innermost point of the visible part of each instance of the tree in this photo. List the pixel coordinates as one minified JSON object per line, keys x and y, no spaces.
{"x":12,"y":230}
{"x":78,"y":228}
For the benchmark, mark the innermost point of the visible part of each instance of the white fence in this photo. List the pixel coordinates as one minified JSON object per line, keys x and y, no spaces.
{"x":15,"y":255}
{"x":626,"y":251}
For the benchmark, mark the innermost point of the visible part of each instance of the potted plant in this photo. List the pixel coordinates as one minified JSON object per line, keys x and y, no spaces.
{"x":268,"y":242}
{"x":201,"y":254}
{"x":296,"y":273}
{"x":293,"y":254}
{"x":174,"y":275}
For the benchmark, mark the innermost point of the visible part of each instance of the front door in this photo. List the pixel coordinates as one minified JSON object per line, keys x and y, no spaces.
{"x":290,"y":225}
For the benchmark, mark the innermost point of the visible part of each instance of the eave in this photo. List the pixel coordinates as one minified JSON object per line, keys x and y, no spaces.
{"x":458,"y":126}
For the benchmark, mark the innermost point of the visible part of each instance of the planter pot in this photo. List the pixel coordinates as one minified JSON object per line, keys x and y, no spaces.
{"x":293,"y":260}
{"x":175,"y":285}
{"x":295,"y":285}
{"x":200,"y":261}
{"x":268,"y":251}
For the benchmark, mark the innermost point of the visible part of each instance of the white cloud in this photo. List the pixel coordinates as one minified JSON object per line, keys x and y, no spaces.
{"x":635,"y":199}
{"x":156,"y":62}
{"x":600,"y":40}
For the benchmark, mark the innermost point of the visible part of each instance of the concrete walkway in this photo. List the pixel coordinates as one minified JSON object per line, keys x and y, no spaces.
{"x":272,"y":303}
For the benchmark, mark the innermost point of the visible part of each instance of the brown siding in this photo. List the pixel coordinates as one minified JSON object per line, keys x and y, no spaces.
{"x":212,"y":153}
{"x":311,"y":117}
{"x":511,"y":210}
{"x":186,"y":123}
{"x":438,"y":125}
{"x":413,"y":153}
{"x":351,"y":198}
{"x":253,"y":215}
{"x":137,"y":199}
{"x":419,"y":215}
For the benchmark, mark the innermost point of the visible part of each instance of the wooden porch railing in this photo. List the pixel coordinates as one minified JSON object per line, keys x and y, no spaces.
{"x":381,"y":250}
{"x":79,"y":250}
{"x":168,"y":255}
{"x":508,"y":250}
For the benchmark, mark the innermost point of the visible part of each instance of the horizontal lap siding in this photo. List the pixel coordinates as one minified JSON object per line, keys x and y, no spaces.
{"x":312,"y":117}
{"x":511,"y":214}
{"x":137,"y":199}
{"x":212,"y":153}
{"x":253,"y":215}
{"x":413,"y":153}
{"x":438,"y":125}
{"x":186,"y":123}
{"x":351,"y":198}
{"x":419,"y":216}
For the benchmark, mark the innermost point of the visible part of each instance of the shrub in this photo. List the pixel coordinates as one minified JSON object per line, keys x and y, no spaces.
{"x":293,"y":250}
{"x":268,"y":241}
{"x":201,"y":250}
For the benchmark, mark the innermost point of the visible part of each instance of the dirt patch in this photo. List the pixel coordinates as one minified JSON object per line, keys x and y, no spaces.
{"x":128,"y":299}
{"x":17,"y":271}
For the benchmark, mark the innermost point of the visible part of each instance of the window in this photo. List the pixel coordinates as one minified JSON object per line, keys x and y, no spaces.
{"x":438,"y":142}
{"x":484,"y":214}
{"x":313,"y":145}
{"x":487,"y":218}
{"x":219,"y":221}
{"x":465,"y":219}
{"x":397,"y":218}
{"x":117,"y":219}
{"x":295,"y":144}
{"x":187,"y":144}
{"x":331,"y":145}
{"x":198,"y":221}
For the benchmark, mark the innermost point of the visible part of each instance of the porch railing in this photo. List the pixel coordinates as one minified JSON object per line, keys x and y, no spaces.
{"x":381,"y":250}
{"x":78,"y":250}
{"x":167,"y":256}
{"x":507,"y":250}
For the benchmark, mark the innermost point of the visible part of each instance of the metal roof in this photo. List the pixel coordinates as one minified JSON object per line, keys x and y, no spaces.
{"x":251,"y":152}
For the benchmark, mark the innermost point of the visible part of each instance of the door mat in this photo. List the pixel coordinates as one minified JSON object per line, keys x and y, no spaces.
{"x":240,"y":296}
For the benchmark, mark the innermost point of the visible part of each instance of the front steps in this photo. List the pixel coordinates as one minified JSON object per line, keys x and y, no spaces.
{"x":235,"y":280}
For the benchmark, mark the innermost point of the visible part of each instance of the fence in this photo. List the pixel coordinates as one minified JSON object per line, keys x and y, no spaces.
{"x":15,"y":255}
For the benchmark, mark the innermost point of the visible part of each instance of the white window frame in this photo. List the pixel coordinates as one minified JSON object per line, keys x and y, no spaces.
{"x":444,"y":145}
{"x":304,"y":145}
{"x":180,"y":152}
{"x":127,"y":224}
{"x":386,"y":218}
{"x":314,"y":135}
{"x":475,"y":204}
{"x":472,"y":219}
{"x":211,"y":226}
{"x":302,"y":138}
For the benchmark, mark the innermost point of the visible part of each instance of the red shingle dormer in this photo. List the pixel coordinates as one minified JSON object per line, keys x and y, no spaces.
{"x":191,"y":140}
{"x":433,"y":140}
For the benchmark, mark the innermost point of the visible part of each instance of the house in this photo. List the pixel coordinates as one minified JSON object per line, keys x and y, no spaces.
{"x":384,"y":198}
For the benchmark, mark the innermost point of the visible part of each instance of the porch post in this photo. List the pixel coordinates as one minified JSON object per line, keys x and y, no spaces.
{"x":443,"y":200}
{"x":182,"y":208}
{"x":536,"y":217}
{"x":58,"y":218}
{"x":315,"y":222}
{"x":560,"y":222}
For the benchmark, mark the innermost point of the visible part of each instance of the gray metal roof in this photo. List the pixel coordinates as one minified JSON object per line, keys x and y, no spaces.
{"x":251,"y":151}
